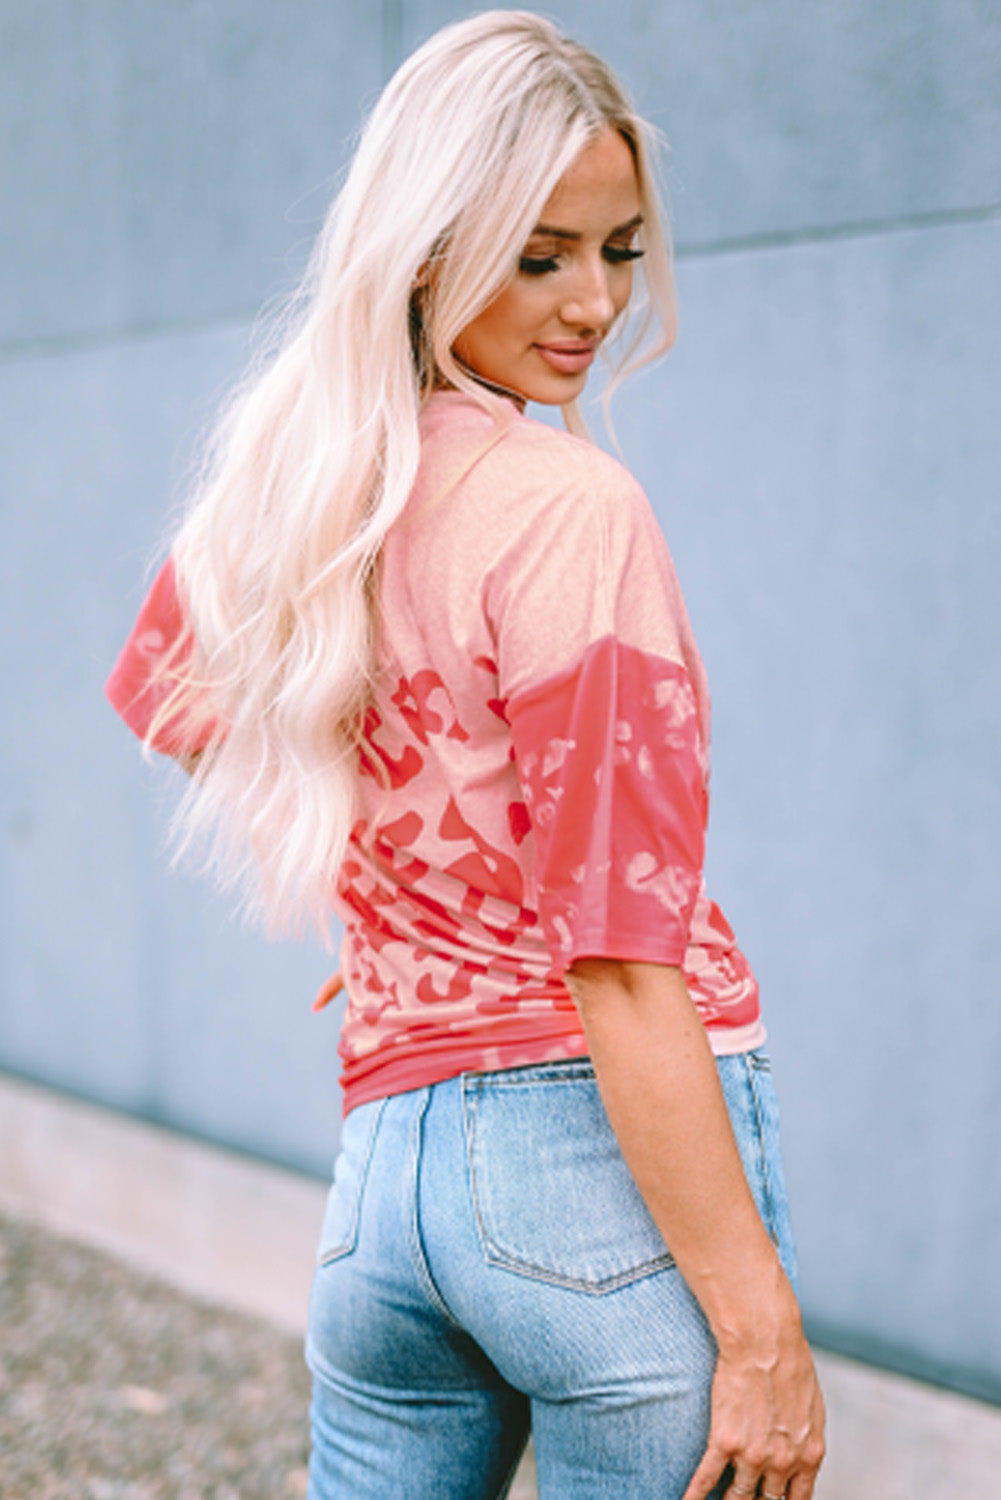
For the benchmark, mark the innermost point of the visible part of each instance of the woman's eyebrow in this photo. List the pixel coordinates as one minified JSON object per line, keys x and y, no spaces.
{"x":573,"y":234}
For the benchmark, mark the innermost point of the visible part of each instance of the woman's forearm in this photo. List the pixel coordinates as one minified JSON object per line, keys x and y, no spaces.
{"x":661,"y":1090}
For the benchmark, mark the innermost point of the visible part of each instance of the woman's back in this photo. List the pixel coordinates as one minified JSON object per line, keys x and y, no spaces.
{"x":538,"y":727}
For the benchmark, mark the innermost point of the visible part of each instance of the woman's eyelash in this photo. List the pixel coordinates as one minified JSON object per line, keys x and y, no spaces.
{"x":617,"y":254}
{"x":531,"y":265}
{"x":541,"y":265}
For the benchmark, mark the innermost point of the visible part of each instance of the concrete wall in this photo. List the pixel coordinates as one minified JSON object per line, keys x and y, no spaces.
{"x":822,"y":448}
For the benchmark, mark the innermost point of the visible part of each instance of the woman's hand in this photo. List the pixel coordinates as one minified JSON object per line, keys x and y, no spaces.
{"x":767,"y":1420}
{"x":661,"y":1091}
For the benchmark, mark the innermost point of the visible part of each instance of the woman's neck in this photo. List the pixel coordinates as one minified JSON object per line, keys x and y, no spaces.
{"x":441,"y":384}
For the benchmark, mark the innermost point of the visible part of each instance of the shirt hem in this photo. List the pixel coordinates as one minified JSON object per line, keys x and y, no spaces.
{"x":726,"y":1041}
{"x":401,"y":1075}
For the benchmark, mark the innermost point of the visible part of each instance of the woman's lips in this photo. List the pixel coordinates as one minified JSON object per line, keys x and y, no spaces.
{"x":569,"y":359}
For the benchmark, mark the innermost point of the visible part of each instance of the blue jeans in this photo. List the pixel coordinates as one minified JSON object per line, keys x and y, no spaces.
{"x":488,"y":1266}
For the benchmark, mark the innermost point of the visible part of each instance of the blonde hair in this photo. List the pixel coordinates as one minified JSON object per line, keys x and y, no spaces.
{"x":316,"y":453}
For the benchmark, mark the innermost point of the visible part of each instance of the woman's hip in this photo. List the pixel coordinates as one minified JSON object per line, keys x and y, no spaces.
{"x":499,"y":1203}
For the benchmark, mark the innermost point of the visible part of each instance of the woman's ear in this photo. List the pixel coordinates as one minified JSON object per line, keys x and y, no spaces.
{"x":420,"y":343}
{"x":422,"y":294}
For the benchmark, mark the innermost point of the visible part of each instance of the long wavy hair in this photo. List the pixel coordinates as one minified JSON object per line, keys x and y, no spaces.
{"x":316,"y":452}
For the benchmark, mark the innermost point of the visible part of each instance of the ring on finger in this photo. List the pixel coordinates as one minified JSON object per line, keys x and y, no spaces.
{"x":741,"y":1489}
{"x":766,"y":1496}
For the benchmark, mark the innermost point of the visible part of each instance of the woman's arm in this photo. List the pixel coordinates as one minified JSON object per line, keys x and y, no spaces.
{"x":661,"y":1090}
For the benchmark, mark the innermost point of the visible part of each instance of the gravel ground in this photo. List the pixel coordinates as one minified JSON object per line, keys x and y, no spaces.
{"x":114,"y":1386}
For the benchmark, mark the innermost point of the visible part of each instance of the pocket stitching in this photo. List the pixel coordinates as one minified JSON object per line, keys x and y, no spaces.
{"x":346,"y":1244}
{"x":496,"y":1255}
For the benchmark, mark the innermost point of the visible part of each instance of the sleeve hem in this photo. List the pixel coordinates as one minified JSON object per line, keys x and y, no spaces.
{"x":647,"y":947}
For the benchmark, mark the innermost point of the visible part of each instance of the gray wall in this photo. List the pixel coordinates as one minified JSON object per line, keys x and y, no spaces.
{"x":822,"y":448}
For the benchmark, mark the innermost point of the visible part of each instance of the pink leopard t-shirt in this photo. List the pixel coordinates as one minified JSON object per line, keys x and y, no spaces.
{"x":533,"y":775}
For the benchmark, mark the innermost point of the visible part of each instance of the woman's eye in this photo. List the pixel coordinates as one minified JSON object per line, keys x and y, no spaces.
{"x":617,"y":255}
{"x":533,"y":265}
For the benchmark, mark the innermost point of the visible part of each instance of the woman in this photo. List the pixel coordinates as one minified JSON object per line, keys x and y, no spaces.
{"x":432,"y":668}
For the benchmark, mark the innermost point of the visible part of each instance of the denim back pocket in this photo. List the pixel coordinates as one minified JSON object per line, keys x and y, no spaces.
{"x":340,"y":1219}
{"x":552,"y":1195}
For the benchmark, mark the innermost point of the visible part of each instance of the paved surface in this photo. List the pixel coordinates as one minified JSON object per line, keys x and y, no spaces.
{"x":114,"y":1386}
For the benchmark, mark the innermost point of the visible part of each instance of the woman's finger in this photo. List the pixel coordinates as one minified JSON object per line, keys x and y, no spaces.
{"x":743,"y":1486}
{"x":708,"y":1474}
{"x":774,"y":1487}
{"x":328,"y":991}
{"x":775,"y":1484}
{"x":801,"y":1484}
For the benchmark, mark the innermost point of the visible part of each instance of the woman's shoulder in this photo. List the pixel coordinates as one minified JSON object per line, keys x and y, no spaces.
{"x":490,"y":478}
{"x":533,"y":461}
{"x":577,"y":459}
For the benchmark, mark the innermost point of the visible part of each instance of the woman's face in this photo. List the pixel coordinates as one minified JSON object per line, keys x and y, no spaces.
{"x":539,"y":336}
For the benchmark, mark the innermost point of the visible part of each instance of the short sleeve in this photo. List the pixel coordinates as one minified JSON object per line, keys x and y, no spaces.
{"x":138,"y":687}
{"x":606,"y":699}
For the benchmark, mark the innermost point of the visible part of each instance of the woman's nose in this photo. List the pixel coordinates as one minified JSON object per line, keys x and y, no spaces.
{"x":589,"y":302}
